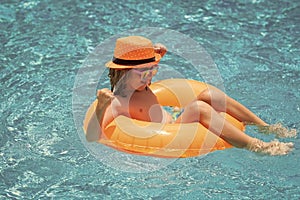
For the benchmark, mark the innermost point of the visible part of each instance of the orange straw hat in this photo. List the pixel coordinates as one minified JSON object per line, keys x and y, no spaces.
{"x":133,"y":52}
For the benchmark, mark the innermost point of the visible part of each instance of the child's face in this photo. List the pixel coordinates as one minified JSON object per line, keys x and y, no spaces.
{"x":141,"y":77}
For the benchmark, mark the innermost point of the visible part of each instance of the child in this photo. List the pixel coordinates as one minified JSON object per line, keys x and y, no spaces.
{"x":131,"y":70}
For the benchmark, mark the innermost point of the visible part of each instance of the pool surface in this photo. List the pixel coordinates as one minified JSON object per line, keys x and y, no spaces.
{"x":46,"y":45}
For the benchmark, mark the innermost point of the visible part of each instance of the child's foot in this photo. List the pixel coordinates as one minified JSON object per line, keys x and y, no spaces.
{"x":278,"y":130}
{"x":271,"y":148}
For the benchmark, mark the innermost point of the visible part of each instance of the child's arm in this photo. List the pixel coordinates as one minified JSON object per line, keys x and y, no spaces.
{"x":93,"y":131}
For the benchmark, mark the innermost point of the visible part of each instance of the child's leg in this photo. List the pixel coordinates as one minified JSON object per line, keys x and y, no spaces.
{"x":223,"y":103}
{"x":199,"y":111}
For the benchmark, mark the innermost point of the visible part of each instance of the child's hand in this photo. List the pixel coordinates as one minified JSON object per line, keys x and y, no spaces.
{"x":105,"y":97}
{"x":160,"y":49}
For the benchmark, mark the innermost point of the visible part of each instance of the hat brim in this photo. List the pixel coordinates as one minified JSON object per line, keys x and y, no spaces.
{"x":112,"y":65}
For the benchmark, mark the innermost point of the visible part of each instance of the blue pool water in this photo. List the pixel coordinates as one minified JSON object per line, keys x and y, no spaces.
{"x":45,"y":45}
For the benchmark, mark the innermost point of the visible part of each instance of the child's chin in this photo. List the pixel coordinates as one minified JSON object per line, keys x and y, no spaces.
{"x":142,"y":87}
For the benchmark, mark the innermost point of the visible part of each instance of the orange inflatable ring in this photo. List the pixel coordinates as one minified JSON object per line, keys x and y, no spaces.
{"x":164,"y":140}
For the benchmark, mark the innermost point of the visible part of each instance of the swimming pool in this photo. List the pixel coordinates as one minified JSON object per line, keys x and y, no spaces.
{"x":44,"y":44}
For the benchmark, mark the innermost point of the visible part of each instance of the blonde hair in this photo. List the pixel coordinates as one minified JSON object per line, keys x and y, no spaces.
{"x":117,"y":80}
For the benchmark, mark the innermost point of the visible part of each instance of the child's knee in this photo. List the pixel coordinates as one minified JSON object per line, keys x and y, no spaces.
{"x":205,"y":95}
{"x":200,"y":107}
